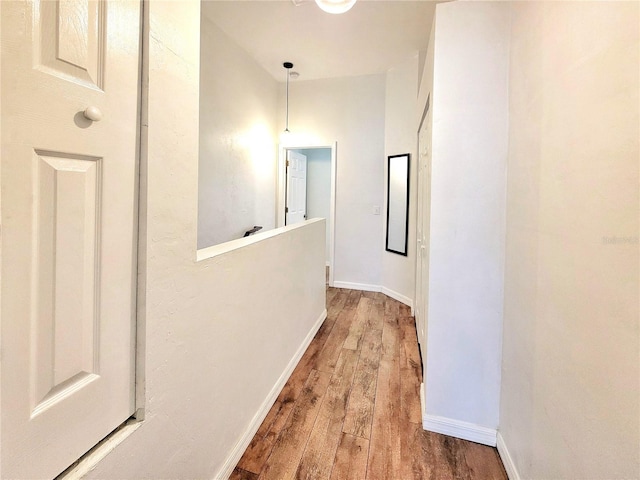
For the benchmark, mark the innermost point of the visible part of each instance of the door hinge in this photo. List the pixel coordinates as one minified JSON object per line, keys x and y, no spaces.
{"x":286,"y":209}
{"x":287,"y":163}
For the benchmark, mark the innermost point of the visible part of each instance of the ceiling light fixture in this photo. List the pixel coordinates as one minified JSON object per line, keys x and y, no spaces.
{"x":335,"y":6}
{"x":288,"y":66}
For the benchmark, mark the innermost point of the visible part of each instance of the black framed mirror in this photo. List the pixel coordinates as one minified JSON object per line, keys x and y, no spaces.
{"x":398,"y":203}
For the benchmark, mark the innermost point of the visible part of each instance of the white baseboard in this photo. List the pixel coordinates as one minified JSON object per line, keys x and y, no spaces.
{"x":398,"y":296}
{"x":376,"y":288}
{"x":357,"y":286}
{"x":507,"y":461}
{"x":243,"y":443}
{"x":460,"y":429}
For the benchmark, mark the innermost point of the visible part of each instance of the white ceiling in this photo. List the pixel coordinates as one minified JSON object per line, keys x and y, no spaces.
{"x":370,"y":38}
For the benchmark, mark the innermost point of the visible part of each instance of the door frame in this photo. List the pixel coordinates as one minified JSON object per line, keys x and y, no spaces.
{"x":282,"y":185}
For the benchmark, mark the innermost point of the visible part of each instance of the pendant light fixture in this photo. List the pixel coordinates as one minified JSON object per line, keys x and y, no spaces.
{"x":288,"y":66}
{"x":335,"y":6}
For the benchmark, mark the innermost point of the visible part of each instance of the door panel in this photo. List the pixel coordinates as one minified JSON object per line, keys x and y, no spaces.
{"x":68,"y":196}
{"x":70,"y":39}
{"x":67,"y":227}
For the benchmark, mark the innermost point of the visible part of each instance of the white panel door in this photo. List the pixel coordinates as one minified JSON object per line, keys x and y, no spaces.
{"x":423,"y":224}
{"x":296,"y":208}
{"x":69,"y":187}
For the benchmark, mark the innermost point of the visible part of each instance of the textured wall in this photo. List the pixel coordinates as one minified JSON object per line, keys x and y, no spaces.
{"x":398,"y":272}
{"x":570,"y":392}
{"x":237,"y":166}
{"x":348,"y":110}
{"x":470,"y":135}
{"x":219,"y":332}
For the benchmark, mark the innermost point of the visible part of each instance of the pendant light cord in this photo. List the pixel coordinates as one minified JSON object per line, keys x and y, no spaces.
{"x":288,"y":66}
{"x":286,"y":127}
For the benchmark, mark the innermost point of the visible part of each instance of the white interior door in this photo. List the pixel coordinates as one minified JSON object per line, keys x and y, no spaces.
{"x":68,"y":228}
{"x":423,"y":223}
{"x":296,"y":207}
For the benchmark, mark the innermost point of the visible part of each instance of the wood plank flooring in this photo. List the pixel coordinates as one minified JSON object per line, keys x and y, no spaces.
{"x":351,"y":408}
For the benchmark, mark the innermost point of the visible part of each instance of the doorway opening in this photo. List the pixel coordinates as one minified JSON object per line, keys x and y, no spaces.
{"x":307,"y":189}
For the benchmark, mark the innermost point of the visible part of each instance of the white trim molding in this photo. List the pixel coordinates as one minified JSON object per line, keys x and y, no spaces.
{"x":245,"y":439}
{"x":398,"y":296}
{"x":93,"y":457}
{"x":376,"y":288}
{"x":460,"y":429}
{"x":357,"y":286}
{"x":507,"y":461}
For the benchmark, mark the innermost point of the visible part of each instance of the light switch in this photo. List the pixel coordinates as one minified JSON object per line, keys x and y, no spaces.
{"x":376,"y":209}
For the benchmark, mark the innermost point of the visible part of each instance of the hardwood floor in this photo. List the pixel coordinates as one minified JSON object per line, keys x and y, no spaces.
{"x":351,"y":408}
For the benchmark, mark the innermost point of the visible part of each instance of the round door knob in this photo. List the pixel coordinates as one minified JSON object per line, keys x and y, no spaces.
{"x":93,"y":113}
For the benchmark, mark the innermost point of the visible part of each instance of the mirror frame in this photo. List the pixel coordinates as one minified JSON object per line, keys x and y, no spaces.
{"x":406,"y":219}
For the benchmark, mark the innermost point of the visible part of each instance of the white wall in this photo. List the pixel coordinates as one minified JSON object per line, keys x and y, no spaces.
{"x":348,"y":110}
{"x":398,"y":272}
{"x":426,"y":76}
{"x":570,"y":382}
{"x":217,"y":333}
{"x":319,"y":186}
{"x":237,"y":168}
{"x":470,"y":133}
